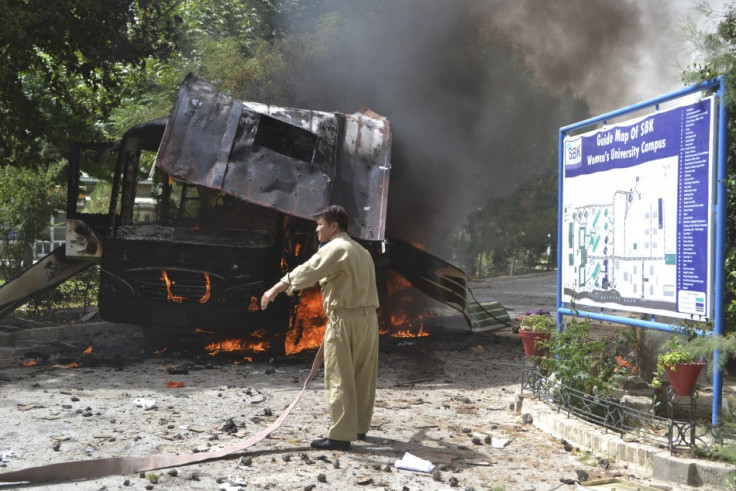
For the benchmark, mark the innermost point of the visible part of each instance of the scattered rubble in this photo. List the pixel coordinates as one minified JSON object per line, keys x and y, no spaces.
{"x":444,"y":400}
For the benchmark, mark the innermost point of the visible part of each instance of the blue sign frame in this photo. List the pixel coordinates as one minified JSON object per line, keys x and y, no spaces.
{"x":692,"y":285}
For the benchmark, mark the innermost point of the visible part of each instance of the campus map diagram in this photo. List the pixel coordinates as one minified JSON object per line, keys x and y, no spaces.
{"x":619,"y":237}
{"x":636,"y":221}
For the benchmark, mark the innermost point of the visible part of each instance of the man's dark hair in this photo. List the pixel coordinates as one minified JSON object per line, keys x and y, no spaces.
{"x":333,"y":213}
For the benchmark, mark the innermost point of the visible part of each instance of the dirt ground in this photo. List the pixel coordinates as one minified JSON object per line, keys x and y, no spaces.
{"x":444,"y":398}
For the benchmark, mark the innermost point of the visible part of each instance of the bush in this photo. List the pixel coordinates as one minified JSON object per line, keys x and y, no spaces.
{"x":537,"y":323}
{"x":579,"y":362}
{"x":28,"y":200}
{"x":78,"y":292}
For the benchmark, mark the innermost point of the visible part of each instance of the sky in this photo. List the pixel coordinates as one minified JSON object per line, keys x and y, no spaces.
{"x":675,"y":52}
{"x":613,"y":53}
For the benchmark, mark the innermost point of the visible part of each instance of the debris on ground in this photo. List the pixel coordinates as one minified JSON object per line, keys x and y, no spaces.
{"x":448,"y":399}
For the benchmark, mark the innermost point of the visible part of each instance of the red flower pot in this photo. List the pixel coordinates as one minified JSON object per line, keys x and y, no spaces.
{"x":684,"y":376}
{"x":531,"y":341}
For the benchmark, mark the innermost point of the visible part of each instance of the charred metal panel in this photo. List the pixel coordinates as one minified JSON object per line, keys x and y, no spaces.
{"x":280,"y":168}
{"x":364,"y":183}
{"x":191,"y":146}
{"x":254,"y":239}
{"x":213,"y":288}
{"x":292,"y":160}
{"x":82,"y":242}
{"x":430,"y":275}
{"x":51,"y":270}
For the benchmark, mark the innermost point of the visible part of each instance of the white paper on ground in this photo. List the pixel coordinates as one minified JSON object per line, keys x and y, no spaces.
{"x":413,"y":463}
{"x":5,"y":456}
{"x":499,"y":442}
{"x":145,"y":403}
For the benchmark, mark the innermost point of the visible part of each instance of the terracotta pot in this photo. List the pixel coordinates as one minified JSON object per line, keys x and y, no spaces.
{"x":684,"y":376}
{"x":529,"y":339}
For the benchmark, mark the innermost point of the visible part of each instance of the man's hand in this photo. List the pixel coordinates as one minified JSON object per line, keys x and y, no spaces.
{"x":272,"y":293}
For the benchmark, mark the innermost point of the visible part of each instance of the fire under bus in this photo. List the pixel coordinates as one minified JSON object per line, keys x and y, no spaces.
{"x":193,"y":217}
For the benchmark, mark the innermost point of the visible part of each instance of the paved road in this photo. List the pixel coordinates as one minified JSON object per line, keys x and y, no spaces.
{"x":519,"y":293}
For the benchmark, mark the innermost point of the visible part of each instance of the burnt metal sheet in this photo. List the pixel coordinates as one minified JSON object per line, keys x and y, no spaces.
{"x":292,"y":160}
{"x":430,"y":275}
{"x":51,"y":270}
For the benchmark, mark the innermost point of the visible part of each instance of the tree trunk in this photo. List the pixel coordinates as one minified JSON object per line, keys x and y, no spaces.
{"x":27,"y":257}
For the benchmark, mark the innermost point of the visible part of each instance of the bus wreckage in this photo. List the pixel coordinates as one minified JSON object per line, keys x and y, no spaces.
{"x":233,"y":187}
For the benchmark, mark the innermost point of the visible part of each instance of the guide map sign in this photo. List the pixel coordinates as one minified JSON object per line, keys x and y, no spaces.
{"x":637,"y":221}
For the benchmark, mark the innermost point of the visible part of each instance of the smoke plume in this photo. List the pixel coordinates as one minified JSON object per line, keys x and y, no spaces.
{"x":475,"y":90}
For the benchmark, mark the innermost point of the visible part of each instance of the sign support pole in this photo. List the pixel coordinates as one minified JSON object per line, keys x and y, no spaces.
{"x":720,"y":255}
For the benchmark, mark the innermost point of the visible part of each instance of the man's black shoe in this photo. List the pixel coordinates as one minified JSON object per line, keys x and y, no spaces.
{"x":328,"y":444}
{"x":361,"y":436}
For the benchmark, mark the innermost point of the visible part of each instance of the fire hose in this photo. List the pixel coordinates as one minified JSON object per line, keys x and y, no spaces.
{"x":89,"y":469}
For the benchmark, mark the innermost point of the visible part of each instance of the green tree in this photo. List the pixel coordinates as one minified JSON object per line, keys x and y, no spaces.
{"x":716,"y":55}
{"x":517,"y":231}
{"x":233,"y":44}
{"x":65,"y":66}
{"x":27,"y":203}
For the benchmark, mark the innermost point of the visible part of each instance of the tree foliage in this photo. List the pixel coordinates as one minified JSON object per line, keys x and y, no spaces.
{"x":517,"y":232}
{"x":65,"y":64}
{"x":27,"y":203}
{"x":717,"y":56}
{"x":233,"y":44}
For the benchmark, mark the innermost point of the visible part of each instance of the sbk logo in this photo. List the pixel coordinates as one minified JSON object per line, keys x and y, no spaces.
{"x":573,"y":152}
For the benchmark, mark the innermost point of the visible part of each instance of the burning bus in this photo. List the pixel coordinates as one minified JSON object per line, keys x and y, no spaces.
{"x":203,"y":210}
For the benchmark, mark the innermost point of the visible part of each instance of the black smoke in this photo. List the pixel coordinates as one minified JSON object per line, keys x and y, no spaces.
{"x":475,"y":90}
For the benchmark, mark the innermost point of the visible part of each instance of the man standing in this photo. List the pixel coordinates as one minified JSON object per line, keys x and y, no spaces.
{"x":344,"y":270}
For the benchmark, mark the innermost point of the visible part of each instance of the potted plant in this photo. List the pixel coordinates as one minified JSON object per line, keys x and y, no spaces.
{"x":681,"y":364}
{"x":535,"y":330}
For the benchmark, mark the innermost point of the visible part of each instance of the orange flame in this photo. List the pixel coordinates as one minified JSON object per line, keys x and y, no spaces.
{"x":403,"y":309}
{"x":171,"y":180}
{"x":174,"y":385}
{"x":162,"y":350}
{"x":29,"y":363}
{"x":297,"y":249}
{"x":88,"y":351}
{"x":206,"y":295}
{"x":407,"y":333}
{"x":237,"y":345}
{"x":396,"y":284}
{"x":309,"y":323}
{"x":73,"y":364}
{"x":170,"y":296}
{"x":196,"y":329}
{"x":253,"y":307}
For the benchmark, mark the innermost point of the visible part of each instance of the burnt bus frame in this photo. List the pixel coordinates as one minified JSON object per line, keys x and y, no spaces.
{"x":116,"y":305}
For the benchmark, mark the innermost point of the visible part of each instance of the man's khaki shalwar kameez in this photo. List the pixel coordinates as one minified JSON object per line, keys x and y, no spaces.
{"x":346,"y":274}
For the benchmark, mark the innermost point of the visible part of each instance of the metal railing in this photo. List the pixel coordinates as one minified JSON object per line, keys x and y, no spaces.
{"x":669,"y":424}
